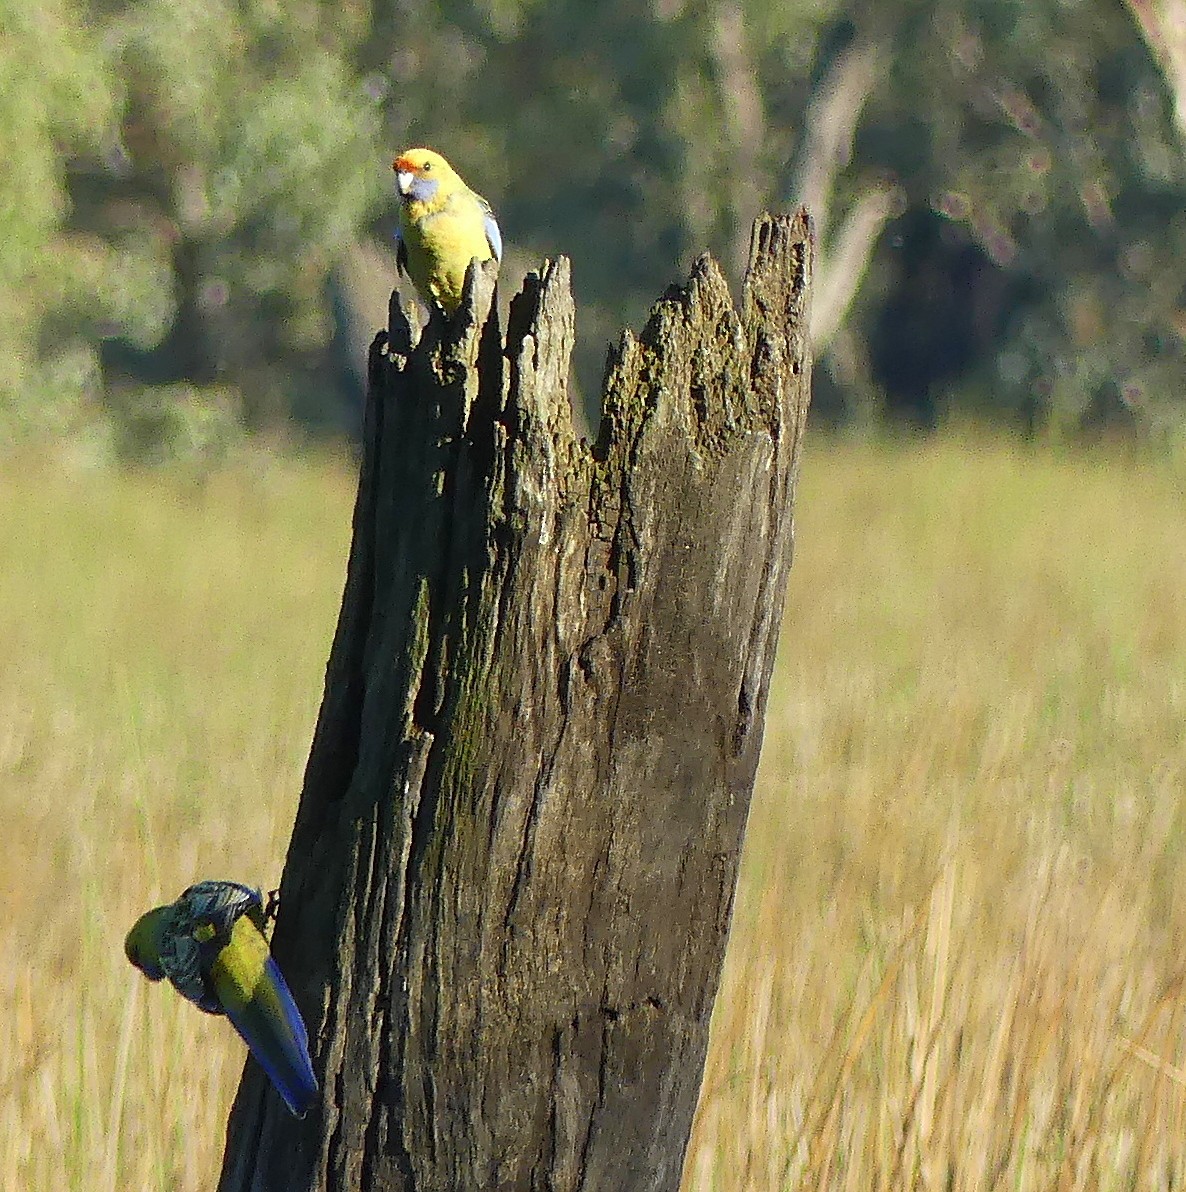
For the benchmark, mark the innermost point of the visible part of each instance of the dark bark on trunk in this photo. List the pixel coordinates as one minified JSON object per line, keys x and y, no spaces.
{"x":508,"y":890}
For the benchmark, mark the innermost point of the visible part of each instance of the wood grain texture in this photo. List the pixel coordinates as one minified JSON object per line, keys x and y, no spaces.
{"x":508,"y":891}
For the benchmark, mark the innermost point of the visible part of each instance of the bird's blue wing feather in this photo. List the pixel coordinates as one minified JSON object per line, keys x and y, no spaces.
{"x":273,"y":1029}
{"x":493,"y":235}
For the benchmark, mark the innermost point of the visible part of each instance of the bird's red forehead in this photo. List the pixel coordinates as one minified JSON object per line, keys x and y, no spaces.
{"x":412,"y":162}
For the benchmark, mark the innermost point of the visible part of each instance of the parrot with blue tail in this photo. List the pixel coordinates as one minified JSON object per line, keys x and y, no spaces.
{"x":443,"y":226}
{"x":210,"y":943}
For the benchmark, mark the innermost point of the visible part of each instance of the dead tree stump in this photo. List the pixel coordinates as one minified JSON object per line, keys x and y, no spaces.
{"x":509,"y":884}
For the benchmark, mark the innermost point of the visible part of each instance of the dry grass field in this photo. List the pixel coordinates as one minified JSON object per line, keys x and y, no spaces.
{"x":959,"y":949}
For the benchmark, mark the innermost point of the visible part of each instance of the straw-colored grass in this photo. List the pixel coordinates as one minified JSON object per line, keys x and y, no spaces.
{"x":163,"y":655}
{"x":959,"y":945}
{"x":957,"y":955}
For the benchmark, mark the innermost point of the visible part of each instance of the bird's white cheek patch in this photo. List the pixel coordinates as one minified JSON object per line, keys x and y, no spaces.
{"x":404,"y":180}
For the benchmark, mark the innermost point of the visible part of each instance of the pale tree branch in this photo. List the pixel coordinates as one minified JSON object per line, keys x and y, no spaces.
{"x":830,"y":125}
{"x":1163,"y":25}
{"x":848,"y":259}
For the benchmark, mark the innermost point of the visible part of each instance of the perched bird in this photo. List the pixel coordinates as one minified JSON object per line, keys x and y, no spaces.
{"x":210,"y":943}
{"x":443,"y":225}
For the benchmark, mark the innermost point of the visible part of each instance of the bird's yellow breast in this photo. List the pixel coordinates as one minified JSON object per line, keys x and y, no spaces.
{"x":442,"y":243}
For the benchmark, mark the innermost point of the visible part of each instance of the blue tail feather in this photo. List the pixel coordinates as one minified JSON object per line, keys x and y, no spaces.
{"x":272,"y":1027}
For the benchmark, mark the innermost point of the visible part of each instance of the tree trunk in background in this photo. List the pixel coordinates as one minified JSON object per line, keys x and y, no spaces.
{"x":508,"y":890}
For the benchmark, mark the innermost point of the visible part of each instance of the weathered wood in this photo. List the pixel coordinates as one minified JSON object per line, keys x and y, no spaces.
{"x":508,"y":890}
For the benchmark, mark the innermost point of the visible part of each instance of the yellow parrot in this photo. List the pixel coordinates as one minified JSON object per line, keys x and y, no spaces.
{"x":443,"y":225}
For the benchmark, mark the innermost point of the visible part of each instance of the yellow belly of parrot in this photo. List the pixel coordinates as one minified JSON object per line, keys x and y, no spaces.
{"x":440,"y":248}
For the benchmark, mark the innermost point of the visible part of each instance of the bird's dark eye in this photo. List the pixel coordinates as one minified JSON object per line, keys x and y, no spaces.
{"x":426,"y":166}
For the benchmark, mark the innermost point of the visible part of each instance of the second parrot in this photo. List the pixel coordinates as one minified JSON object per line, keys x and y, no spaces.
{"x":210,"y":943}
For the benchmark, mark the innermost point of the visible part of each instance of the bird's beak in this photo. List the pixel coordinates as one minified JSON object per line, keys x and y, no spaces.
{"x":403,"y":180}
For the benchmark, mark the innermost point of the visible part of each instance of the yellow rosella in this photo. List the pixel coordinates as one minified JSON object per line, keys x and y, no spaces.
{"x":210,"y":943}
{"x":443,"y":225}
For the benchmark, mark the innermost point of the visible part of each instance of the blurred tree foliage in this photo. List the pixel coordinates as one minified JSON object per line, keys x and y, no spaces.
{"x":194,"y":224}
{"x":1031,"y":273}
